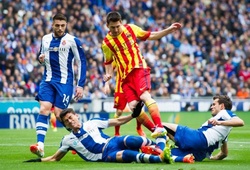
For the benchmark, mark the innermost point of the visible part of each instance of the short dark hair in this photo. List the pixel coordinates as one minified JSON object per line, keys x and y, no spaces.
{"x":225,"y":100}
{"x":60,"y":16}
{"x":113,"y":17}
{"x":66,"y":111}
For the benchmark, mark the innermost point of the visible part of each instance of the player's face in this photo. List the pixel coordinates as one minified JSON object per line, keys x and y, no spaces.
{"x":216,"y":107}
{"x":71,"y":120}
{"x":115,"y":28}
{"x":59,"y":27}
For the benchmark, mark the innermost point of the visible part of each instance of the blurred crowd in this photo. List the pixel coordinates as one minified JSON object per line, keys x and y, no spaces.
{"x":209,"y":55}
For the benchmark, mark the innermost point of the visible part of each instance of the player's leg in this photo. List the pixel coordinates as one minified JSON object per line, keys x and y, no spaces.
{"x":139,"y":129}
{"x":53,"y":120}
{"x":189,"y":139}
{"x":41,"y":128}
{"x":118,"y":113}
{"x":157,"y":148}
{"x":135,"y":142}
{"x":120,"y":103}
{"x":139,"y":79}
{"x":146,"y":121}
{"x":128,"y":156}
{"x":63,"y":96}
{"x":45,"y":98}
{"x":171,"y":129}
{"x":179,"y":155}
{"x":154,"y":113}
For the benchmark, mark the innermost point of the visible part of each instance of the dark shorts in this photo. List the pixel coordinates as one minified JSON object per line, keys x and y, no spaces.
{"x":58,"y":94}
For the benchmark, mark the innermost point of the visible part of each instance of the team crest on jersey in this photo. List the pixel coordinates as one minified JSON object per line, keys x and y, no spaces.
{"x":128,"y":35}
{"x":64,"y":42}
{"x":75,"y":142}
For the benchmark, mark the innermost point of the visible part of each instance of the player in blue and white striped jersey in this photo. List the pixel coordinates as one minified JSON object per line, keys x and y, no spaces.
{"x":58,"y":52}
{"x":91,"y":144}
{"x":213,"y":134}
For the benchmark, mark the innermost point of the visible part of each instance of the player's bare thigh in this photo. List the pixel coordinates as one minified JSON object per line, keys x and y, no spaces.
{"x":172,"y":127}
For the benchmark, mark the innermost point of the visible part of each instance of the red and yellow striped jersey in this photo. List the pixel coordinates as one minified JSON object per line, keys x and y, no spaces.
{"x":124,"y":49}
{"x":118,"y":80}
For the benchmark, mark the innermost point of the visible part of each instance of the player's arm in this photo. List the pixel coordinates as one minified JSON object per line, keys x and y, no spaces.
{"x":82,"y":66}
{"x":109,"y":72}
{"x":222,"y":154}
{"x":234,"y":122}
{"x":56,"y":157}
{"x":120,"y":120}
{"x":82,"y":63}
{"x":124,"y":119}
{"x":40,"y":56}
{"x":159,"y":34}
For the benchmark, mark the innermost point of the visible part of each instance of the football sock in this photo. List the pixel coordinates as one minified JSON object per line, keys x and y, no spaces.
{"x":146,"y":121}
{"x":138,"y":124}
{"x":117,"y":128}
{"x":154,"y":112}
{"x":134,"y":156}
{"x":53,"y":120}
{"x":135,"y":142}
{"x":41,"y":127}
{"x":161,"y":142}
{"x":178,"y":158}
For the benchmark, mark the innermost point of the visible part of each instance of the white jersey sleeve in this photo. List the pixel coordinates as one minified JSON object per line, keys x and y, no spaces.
{"x":218,"y":133}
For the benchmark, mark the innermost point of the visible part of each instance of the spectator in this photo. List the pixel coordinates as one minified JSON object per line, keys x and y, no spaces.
{"x":220,"y":35}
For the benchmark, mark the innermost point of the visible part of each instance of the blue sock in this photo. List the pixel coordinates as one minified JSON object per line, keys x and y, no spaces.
{"x":161,"y":142}
{"x":135,"y":142}
{"x":41,"y":127}
{"x":178,"y":158}
{"x":134,"y":156}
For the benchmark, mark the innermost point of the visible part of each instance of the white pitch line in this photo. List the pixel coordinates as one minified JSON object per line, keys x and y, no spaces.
{"x":21,"y":144}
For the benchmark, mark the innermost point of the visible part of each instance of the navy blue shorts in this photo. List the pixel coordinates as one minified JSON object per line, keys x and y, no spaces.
{"x":58,"y":94}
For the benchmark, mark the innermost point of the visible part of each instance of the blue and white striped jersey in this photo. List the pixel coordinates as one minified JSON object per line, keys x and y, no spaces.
{"x":215,"y":135}
{"x":89,"y":141}
{"x":60,"y":54}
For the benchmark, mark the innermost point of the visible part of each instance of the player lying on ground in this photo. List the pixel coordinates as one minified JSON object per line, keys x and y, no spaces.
{"x":210,"y":136}
{"x":91,"y":144}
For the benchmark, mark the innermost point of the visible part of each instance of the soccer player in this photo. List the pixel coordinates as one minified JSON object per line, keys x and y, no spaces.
{"x":58,"y":52}
{"x":91,"y":144}
{"x":120,"y":45}
{"x":212,"y":134}
{"x":120,"y":103}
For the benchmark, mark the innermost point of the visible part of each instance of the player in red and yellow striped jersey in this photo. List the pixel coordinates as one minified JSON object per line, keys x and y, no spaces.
{"x":120,"y":103}
{"x":120,"y":45}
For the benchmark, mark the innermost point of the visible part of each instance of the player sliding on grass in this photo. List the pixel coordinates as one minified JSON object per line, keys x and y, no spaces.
{"x":91,"y":144}
{"x":210,"y":136}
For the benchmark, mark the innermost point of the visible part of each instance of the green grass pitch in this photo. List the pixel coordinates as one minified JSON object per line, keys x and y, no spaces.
{"x":14,"y":148}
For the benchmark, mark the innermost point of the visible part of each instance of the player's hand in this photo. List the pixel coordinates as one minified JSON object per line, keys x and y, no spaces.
{"x":41,"y":58}
{"x":34,"y":160}
{"x":78,"y":93}
{"x":107,"y":77}
{"x":175,"y":26}
{"x":213,"y":122}
{"x":137,"y":110}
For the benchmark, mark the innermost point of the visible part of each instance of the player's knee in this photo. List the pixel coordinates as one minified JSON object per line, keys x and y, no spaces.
{"x":145,"y":96}
{"x":132,"y":105}
{"x":119,"y":112}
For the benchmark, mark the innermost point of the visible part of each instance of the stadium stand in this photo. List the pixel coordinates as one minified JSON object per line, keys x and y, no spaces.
{"x":209,"y":55}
